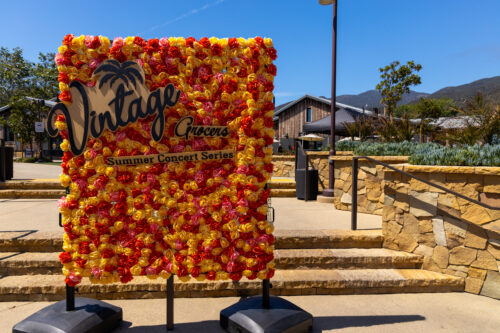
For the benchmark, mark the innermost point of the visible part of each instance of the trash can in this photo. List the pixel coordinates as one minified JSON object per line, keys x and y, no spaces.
{"x":6,"y":163}
{"x":312,"y":184}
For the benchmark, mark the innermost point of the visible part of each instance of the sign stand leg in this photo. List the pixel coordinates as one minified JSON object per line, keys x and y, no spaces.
{"x":266,"y":285}
{"x":170,"y":303}
{"x":70,"y":298}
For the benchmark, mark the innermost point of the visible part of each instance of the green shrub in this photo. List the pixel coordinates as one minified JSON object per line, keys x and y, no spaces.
{"x":404,"y":148}
{"x":346,"y":145}
{"x":487,"y":155}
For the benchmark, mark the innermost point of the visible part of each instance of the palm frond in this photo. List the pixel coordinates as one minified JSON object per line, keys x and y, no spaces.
{"x":104,"y":79}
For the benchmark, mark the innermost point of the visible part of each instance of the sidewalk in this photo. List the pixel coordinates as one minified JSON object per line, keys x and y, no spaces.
{"x":451,"y":312}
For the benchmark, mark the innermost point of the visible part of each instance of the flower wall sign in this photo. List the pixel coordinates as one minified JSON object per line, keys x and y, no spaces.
{"x":166,"y":156}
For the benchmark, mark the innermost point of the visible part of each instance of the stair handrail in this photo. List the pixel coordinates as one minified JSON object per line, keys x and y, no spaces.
{"x":354,"y":205}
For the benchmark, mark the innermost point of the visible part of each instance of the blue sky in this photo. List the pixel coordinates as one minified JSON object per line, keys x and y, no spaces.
{"x":456,"y":41}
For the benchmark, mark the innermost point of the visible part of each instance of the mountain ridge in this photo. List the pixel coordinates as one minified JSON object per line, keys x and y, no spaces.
{"x":489,"y":87}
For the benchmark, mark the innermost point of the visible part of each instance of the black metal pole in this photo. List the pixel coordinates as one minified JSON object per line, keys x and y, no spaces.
{"x":70,"y":298}
{"x":331,"y":176}
{"x":354,"y":187}
{"x":266,"y":285}
{"x":170,"y":303}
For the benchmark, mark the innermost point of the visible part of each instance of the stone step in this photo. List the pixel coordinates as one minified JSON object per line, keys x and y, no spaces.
{"x":285,"y":282}
{"x":281,"y":184}
{"x":33,"y":263}
{"x":46,"y":184}
{"x":20,"y":241}
{"x":282,"y":193}
{"x":345,"y":259}
{"x":32,"y":194}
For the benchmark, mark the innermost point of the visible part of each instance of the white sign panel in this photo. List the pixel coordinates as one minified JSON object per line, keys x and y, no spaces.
{"x":39,"y":128}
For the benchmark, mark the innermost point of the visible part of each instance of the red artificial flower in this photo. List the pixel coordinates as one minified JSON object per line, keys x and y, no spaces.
{"x":139,"y":41}
{"x":174,"y":52}
{"x":260,"y":42}
{"x":107,"y":253}
{"x":190,"y":41}
{"x":63,"y":77}
{"x":65,"y":96}
{"x":65,"y":257}
{"x":204,"y":42}
{"x":233,"y":43}
{"x":216,"y":49}
{"x":83,"y":247}
{"x":271,"y":52}
{"x":67,"y":39}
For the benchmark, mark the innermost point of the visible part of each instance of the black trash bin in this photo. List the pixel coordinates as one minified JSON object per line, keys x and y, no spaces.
{"x":312,"y":184}
{"x":6,"y":163}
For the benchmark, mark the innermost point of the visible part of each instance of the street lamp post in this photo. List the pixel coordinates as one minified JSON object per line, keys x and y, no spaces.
{"x":331,"y":177}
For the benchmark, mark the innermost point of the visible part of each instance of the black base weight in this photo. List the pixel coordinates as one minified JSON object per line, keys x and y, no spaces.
{"x":90,"y":316}
{"x":248,"y":316}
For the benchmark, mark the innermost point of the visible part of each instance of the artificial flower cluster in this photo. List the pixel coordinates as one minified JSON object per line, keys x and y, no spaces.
{"x":205,"y":220}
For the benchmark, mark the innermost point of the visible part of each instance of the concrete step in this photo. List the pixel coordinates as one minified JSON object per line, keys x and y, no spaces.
{"x":46,"y":184}
{"x":285,"y":282}
{"x":31,"y":241}
{"x":33,"y":263}
{"x":282,"y":193}
{"x":32,"y":194}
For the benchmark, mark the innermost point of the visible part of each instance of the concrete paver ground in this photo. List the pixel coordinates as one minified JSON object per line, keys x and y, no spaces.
{"x":450,"y":312}
{"x":36,"y":171}
{"x":290,"y":213}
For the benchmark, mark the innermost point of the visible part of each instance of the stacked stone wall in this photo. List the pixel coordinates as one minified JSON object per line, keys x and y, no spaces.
{"x":370,"y":183}
{"x":284,"y":166}
{"x":455,"y":236}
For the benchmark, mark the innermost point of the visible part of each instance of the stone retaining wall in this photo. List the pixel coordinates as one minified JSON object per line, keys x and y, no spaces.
{"x":284,"y":166}
{"x":370,"y":179}
{"x":455,"y":236}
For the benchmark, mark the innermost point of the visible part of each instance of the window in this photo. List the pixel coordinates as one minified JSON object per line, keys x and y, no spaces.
{"x":308,"y":115}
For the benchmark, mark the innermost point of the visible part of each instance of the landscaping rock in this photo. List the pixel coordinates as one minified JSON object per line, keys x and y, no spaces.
{"x":440,"y":256}
{"x":462,"y":256}
{"x":423,"y":204}
{"x":491,"y":286}
{"x":476,"y":214}
{"x":439,"y":233}
{"x":485,"y":260}
{"x":476,"y":237}
{"x":346,"y":199}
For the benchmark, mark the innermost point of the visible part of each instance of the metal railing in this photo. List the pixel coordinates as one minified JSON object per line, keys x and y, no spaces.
{"x":354,"y":205}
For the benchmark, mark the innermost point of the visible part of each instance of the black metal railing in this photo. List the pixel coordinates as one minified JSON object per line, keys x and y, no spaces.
{"x":302,"y":162}
{"x":354,"y":205}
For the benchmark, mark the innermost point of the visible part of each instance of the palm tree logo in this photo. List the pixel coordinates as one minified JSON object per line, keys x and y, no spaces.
{"x":114,"y":70}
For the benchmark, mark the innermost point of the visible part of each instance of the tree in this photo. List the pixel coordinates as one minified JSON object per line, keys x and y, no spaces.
{"x":396,"y":81}
{"x":481,"y":120}
{"x":362,"y":127}
{"x":395,"y":130}
{"x":428,"y":109}
{"x":15,"y":73}
{"x":20,"y":78}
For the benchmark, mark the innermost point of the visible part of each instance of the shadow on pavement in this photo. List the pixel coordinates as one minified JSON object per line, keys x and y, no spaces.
{"x":338,"y":322}
{"x":319,"y":325}
{"x":201,"y":326}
